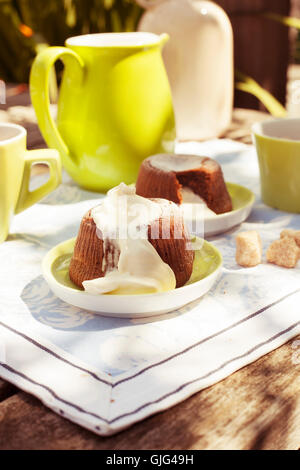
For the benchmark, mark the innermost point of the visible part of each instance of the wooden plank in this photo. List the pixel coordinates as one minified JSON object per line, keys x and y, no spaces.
{"x":253,"y":6}
{"x":266,"y":57}
{"x":258,"y":407}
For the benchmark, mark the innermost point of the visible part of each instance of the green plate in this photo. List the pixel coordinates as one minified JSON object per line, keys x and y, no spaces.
{"x":242,"y":200}
{"x":207,"y":266}
{"x":206,"y":261}
{"x":240,"y":196}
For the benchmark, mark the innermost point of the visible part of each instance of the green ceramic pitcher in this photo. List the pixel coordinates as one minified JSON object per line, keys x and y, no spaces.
{"x":115,"y":105}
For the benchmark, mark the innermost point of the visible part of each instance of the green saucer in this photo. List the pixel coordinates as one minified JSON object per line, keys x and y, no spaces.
{"x":207,"y":267}
{"x":206,"y":261}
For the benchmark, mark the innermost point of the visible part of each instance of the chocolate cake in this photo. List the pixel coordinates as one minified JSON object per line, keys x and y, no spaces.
{"x":96,"y":255}
{"x":166,"y":175}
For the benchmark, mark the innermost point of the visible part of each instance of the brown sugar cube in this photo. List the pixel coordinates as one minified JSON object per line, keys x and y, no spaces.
{"x":248,"y":249}
{"x":295,"y":234}
{"x":283,"y":252}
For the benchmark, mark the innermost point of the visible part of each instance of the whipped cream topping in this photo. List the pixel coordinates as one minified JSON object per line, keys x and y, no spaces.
{"x":123,"y":219}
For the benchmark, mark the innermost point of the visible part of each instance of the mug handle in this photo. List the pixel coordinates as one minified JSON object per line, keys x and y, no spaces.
{"x":52,"y":159}
{"x":39,"y":91}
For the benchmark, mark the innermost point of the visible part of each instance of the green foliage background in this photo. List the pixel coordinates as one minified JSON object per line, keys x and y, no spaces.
{"x":52,"y":22}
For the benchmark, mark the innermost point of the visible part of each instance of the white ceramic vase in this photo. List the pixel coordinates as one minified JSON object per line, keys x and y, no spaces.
{"x":199,"y":62}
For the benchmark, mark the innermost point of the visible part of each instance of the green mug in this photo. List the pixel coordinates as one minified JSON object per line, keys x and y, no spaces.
{"x":15,"y":170}
{"x":277,"y":143}
{"x":115,"y":105}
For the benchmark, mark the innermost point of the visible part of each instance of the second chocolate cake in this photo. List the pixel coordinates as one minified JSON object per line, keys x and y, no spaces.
{"x":184,"y":178}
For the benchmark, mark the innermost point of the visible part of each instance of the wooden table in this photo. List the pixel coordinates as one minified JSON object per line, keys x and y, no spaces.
{"x":257,"y":407}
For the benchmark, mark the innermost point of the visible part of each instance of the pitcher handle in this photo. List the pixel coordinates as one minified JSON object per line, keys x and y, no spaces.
{"x":39,"y":92}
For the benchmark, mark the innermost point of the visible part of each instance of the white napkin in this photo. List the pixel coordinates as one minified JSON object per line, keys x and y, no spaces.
{"x":105,"y":374}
